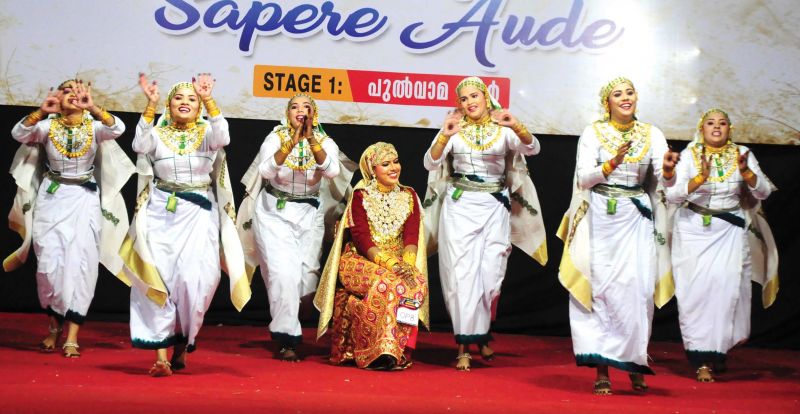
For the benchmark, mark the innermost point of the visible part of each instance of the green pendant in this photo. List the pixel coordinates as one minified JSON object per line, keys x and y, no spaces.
{"x":457,"y":193}
{"x":53,"y":187}
{"x":183,"y":142}
{"x":281,"y":203}
{"x":706,"y":220}
{"x":611,"y":206}
{"x":172,"y":203}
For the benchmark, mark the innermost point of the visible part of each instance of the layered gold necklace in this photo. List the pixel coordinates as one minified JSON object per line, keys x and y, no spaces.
{"x":182,"y":141}
{"x":71,"y":141}
{"x":387,"y":211}
{"x":723,"y":161}
{"x":612,"y":135}
{"x":479,"y":135}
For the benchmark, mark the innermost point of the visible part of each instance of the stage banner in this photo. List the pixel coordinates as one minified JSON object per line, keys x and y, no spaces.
{"x":397,"y":62}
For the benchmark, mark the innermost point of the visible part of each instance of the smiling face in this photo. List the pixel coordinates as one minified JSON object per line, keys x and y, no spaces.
{"x":473,"y":102}
{"x":387,"y":171}
{"x":184,"y":106}
{"x":716,"y":128}
{"x":622,"y":103}
{"x":300,"y":108}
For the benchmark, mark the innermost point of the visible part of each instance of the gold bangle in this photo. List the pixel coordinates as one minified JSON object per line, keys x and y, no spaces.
{"x":442,"y":139}
{"x":149,"y":113}
{"x":747,"y":174}
{"x":35,"y":116}
{"x":211,"y":106}
{"x":607,"y":168}
{"x":286,"y":147}
{"x":410,"y":258}
{"x":104,"y":115}
{"x":520,"y":130}
{"x":698,"y":179}
{"x":316,"y":147}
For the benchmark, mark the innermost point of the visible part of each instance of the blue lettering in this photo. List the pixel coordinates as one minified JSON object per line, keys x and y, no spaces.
{"x":562,"y":32}
{"x":191,"y":13}
{"x":217,"y":9}
{"x":267,"y":19}
{"x":484,"y":26}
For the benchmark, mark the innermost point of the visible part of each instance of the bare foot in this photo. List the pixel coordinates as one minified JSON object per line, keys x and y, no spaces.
{"x":49,"y":343}
{"x":463,"y":361}
{"x":487,"y":353}
{"x":161,"y":369}
{"x":704,"y":374}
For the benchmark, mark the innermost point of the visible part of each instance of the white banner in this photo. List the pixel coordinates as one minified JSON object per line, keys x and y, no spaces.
{"x":396,"y":62}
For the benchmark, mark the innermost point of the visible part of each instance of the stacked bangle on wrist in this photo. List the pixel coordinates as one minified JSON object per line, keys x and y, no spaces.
{"x":211,"y":106}
{"x":410,"y":258}
{"x":698,"y":179}
{"x":35,"y":116}
{"x":316,"y":147}
{"x":104,"y":115}
{"x":149,"y":113}
{"x":520,"y":130}
{"x":385,"y":260}
{"x":609,"y":167}
{"x":747,"y":174}
{"x":286,"y":147}
{"x":442,"y":139}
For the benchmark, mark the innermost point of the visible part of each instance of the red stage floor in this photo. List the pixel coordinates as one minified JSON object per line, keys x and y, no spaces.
{"x":233,"y":370}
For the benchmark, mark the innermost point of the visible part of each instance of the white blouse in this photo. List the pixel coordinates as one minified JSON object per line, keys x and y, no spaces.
{"x":716,"y":195}
{"x":592,"y":155}
{"x":193,"y":168}
{"x":298,"y":182}
{"x":489,"y":163}
{"x":67,"y":167}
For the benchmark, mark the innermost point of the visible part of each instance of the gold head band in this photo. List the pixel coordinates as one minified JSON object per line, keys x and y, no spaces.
{"x":372,"y":156}
{"x":606,"y":90}
{"x":171,"y":94}
{"x":705,"y":116}
{"x":478,"y":83}
{"x":315,"y":119}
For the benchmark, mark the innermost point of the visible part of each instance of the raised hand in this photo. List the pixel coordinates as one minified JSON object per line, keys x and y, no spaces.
{"x":743,"y":161}
{"x":622,"y":151}
{"x":150,"y":89}
{"x":203,"y":84}
{"x":671,"y":159}
{"x":705,"y":164}
{"x":504,"y":118}
{"x":83,"y":95}
{"x":452,"y":123}
{"x":52,"y":103}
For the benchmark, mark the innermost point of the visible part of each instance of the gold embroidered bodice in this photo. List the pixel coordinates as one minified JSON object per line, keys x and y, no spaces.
{"x":387,"y":212}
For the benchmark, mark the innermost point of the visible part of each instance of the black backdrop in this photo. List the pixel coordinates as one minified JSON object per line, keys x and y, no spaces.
{"x":533,"y":302}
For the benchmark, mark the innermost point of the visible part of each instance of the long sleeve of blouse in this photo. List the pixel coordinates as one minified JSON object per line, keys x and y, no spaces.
{"x":716,"y":195}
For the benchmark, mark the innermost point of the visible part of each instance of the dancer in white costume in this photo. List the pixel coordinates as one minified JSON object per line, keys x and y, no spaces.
{"x":720,"y":242}
{"x":480,"y":200}
{"x":616,"y":253}
{"x":292,"y":186}
{"x":184,"y":210}
{"x":75,"y":222}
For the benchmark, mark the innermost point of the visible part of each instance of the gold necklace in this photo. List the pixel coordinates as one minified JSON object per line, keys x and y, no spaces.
{"x":386,"y":212}
{"x":723,"y":161}
{"x":182,"y":140}
{"x":480,"y":135}
{"x":71,"y":141}
{"x":623,"y":127}
{"x":611,"y":139}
